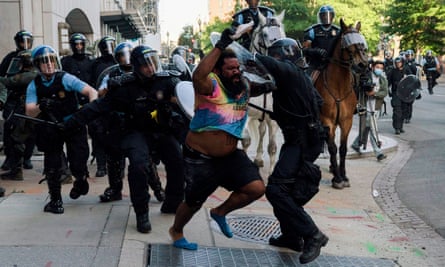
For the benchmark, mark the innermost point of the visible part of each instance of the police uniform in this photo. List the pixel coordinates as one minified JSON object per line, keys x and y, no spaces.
{"x":295,"y":108}
{"x":136,"y":100}
{"x":61,"y":89}
{"x":394,"y":77}
{"x":321,"y":37}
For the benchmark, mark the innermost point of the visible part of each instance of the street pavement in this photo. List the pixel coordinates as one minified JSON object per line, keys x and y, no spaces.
{"x":361,"y":231}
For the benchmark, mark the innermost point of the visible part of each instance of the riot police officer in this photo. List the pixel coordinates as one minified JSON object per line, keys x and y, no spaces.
{"x":178,"y":62}
{"x":320,"y":37}
{"x":19,"y":131}
{"x":295,"y":178}
{"x":395,"y":75}
{"x":106,"y":47}
{"x":96,"y":128}
{"x":23,"y":41}
{"x":144,"y":97}
{"x":51,"y":96}
{"x":250,"y":14}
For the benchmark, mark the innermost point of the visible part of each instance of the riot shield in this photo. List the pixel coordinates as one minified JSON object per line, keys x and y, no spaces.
{"x":104,"y":73}
{"x":408,"y":88}
{"x":185,"y":94}
{"x":182,"y":66}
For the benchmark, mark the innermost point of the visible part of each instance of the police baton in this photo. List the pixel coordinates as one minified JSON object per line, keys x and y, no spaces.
{"x":36,"y":120}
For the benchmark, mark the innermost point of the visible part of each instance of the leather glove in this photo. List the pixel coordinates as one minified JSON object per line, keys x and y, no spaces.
{"x":225,"y":39}
{"x":46,"y":104}
{"x":316,"y":52}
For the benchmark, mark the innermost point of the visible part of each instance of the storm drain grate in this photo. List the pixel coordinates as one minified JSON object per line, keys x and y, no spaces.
{"x":253,"y":228}
{"x":165,"y":255}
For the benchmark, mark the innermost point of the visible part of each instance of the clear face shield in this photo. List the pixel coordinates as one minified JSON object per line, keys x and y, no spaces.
{"x":107,"y":48}
{"x":79,"y":47}
{"x":26,"y":42}
{"x":48,"y":63}
{"x":326,"y":18}
{"x":123,"y":56}
{"x":149,"y":64}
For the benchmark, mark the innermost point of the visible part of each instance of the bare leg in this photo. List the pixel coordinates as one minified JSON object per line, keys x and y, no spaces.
{"x":184,"y":214}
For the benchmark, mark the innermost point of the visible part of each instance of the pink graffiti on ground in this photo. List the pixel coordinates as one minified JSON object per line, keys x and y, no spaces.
{"x":372,"y":226}
{"x":49,"y":264}
{"x":347,"y":217}
{"x":68,"y":233}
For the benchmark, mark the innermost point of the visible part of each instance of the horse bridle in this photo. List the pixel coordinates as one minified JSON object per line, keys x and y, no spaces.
{"x":355,"y":38}
{"x":261,"y":40}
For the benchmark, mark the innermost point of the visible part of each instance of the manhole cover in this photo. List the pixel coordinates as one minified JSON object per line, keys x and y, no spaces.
{"x":252,"y":228}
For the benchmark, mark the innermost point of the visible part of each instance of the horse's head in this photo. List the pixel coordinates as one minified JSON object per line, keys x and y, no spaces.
{"x":354,"y":47}
{"x":267,"y":31}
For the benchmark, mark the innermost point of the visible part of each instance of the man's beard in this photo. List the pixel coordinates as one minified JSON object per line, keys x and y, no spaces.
{"x":233,"y":88}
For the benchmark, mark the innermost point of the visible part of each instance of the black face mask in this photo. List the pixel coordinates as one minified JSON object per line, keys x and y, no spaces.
{"x":233,"y":89}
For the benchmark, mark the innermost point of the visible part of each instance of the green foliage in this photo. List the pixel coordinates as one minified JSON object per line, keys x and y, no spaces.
{"x":421,"y":24}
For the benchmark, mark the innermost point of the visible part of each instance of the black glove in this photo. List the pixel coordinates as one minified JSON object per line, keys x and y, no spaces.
{"x":316,"y":52}
{"x":70,"y":127}
{"x":225,"y":39}
{"x":46,"y":105}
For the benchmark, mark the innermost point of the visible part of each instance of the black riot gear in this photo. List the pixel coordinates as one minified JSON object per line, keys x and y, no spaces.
{"x":78,"y":38}
{"x":145,"y":56}
{"x":23,"y":40}
{"x":287,"y":48}
{"x":106,"y":45}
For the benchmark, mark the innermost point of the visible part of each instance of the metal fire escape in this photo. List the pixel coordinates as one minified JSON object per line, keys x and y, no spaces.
{"x":131,"y":18}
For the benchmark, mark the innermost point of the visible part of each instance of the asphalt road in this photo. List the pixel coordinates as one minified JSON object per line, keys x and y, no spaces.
{"x":421,"y":182}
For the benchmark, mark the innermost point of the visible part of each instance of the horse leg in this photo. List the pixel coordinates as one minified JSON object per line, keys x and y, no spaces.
{"x":259,"y":152}
{"x":272,"y":146}
{"x":343,"y":150}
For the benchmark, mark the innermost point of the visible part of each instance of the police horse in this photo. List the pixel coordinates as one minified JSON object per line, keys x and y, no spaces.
{"x":335,"y":85}
{"x":267,"y":31}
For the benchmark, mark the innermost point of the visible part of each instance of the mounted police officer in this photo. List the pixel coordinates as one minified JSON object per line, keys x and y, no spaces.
{"x":51,"y":96}
{"x":295,"y":178}
{"x":318,"y":39}
{"x":250,"y":14}
{"x":19,"y":131}
{"x":144,"y":98}
{"x":23,"y":41}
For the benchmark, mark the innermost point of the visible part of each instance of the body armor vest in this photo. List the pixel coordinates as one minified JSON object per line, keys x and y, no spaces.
{"x":65,"y":101}
{"x":324,"y":38}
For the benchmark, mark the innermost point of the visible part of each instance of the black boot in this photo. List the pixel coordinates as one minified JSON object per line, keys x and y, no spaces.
{"x":2,"y":192}
{"x":15,"y":174}
{"x":54,"y":206}
{"x":115,"y":176}
{"x":143,"y":223}
{"x":282,"y":241}
{"x":312,"y":247}
{"x":54,"y":186}
{"x":80,"y":187}
{"x":101,"y":171}
{"x":154,"y":181}
{"x":27,"y":164}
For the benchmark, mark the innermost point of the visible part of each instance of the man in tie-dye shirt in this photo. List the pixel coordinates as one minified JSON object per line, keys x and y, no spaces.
{"x":211,"y":156}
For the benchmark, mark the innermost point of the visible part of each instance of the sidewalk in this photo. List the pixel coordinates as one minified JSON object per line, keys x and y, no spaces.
{"x":93,"y":234}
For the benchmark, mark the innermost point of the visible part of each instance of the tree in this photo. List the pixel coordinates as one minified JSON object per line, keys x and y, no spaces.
{"x":420,"y":24}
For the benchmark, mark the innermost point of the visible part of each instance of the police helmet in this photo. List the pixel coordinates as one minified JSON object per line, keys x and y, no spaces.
{"x":106,"y":45}
{"x":181,"y":51}
{"x":287,"y":48}
{"x":78,"y":38}
{"x":409,"y":52}
{"x":144,"y":55}
{"x":326,"y":15}
{"x":23,"y":40}
{"x":429,"y":53}
{"x":399,"y":59}
{"x":46,"y":59}
{"x":122,"y":54}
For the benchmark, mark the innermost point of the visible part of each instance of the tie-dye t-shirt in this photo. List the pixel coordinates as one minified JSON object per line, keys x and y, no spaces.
{"x":219,"y":111}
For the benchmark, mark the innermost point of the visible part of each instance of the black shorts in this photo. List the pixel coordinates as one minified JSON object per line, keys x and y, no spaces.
{"x":207,"y":173}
